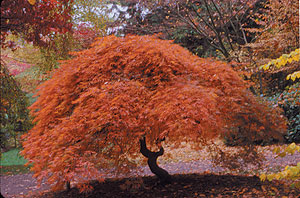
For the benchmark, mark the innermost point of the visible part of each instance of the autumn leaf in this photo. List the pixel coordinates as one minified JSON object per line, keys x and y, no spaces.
{"x":32,"y":2}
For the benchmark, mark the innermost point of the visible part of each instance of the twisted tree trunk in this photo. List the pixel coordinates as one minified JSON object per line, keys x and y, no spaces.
{"x":68,"y":186}
{"x":162,"y":174}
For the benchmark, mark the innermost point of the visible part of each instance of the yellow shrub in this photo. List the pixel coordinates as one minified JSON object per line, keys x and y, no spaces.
{"x":283,"y":60}
{"x":290,"y":172}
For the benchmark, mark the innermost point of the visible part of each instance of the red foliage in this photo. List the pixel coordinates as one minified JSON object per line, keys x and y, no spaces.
{"x":97,"y":105}
{"x":15,"y":66}
{"x":34,"y":21}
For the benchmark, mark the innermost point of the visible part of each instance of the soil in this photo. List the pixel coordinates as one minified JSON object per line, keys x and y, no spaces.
{"x":20,"y":185}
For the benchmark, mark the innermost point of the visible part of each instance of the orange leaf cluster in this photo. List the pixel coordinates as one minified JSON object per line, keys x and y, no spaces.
{"x":280,"y":22}
{"x":96,"y":106}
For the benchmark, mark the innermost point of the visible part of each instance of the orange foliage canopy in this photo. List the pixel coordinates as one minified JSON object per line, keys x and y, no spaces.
{"x":96,"y":106}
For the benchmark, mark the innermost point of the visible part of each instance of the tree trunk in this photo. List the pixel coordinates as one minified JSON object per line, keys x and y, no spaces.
{"x":162,"y":174}
{"x":68,"y":186}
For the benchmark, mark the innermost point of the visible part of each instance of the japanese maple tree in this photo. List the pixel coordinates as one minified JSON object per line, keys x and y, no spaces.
{"x":94,"y":110}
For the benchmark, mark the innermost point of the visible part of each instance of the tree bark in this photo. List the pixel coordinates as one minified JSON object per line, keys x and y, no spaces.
{"x":68,"y":186}
{"x":162,"y":174}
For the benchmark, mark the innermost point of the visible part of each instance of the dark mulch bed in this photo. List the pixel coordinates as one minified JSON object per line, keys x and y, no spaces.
{"x":188,"y":185}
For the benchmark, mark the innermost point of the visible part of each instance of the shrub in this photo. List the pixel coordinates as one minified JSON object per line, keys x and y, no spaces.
{"x":290,"y":172}
{"x":289,"y":101}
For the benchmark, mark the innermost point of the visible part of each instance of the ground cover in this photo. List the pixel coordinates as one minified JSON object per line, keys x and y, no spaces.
{"x":11,"y":158}
{"x":184,"y":185}
{"x":12,"y":163}
{"x":194,"y":176}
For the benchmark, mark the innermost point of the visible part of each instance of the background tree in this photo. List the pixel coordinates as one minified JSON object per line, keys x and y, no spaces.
{"x":91,"y":13}
{"x":14,"y":115}
{"x":34,"y":20}
{"x":279,"y":28}
{"x":275,"y":69}
{"x":90,"y":20}
{"x":201,"y":26}
{"x":91,"y":114}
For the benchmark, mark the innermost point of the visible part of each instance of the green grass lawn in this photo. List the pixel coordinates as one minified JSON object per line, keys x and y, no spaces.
{"x":11,"y":158}
{"x":12,"y":162}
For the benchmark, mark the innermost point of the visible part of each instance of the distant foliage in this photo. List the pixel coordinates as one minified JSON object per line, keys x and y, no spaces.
{"x":92,"y":112}
{"x":93,"y":15}
{"x":279,"y":22}
{"x":283,"y":60}
{"x":289,"y":101}
{"x":84,"y":36}
{"x":14,"y":114}
{"x":277,"y":37}
{"x":34,"y":20}
{"x":27,"y":63}
{"x":202,"y":26}
{"x":15,"y":66}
